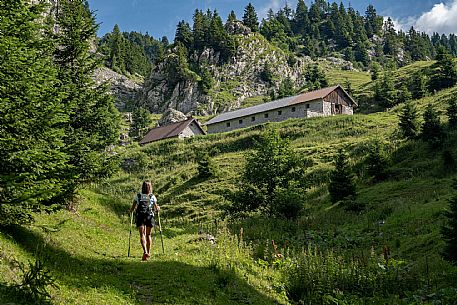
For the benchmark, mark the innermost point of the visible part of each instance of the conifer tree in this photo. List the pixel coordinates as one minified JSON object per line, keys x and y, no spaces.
{"x":118,"y":51}
{"x":452,"y":113}
{"x":184,"y":34}
{"x":409,"y":124}
{"x":432,"y":130}
{"x":418,"y":85}
{"x":341,"y":184}
{"x":94,"y":121}
{"x":32,"y":115}
{"x":373,"y":22}
{"x":301,"y":22}
{"x":198,"y":30}
{"x":140,"y":121}
{"x":444,"y":71}
{"x":250,"y":18}
{"x":377,"y":162}
{"x":232,"y":17}
{"x":449,"y":230}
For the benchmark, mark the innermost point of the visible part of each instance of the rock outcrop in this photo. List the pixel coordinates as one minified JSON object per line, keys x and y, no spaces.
{"x":233,"y":81}
{"x":123,"y":89}
{"x":171,"y":116}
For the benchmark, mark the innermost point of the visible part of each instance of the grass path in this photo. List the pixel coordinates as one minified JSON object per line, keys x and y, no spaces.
{"x":86,"y":253}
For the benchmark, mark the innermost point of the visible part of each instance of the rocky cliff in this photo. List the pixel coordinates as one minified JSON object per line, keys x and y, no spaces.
{"x":233,"y":82}
{"x":123,"y":88}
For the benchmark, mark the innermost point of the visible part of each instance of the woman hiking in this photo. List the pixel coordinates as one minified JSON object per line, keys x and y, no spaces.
{"x":145,"y":204}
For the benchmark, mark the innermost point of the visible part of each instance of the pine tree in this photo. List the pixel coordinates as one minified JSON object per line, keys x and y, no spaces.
{"x":184,"y":34}
{"x":432,"y":130}
{"x":232,"y":17}
{"x":444,"y":71}
{"x":250,"y":18}
{"x":141,"y":119}
{"x":373,"y":22}
{"x":449,"y":230}
{"x":377,"y":162}
{"x":118,"y":51}
{"x":198,"y":30}
{"x":452,"y":113}
{"x":341,"y":184}
{"x":409,"y":121}
{"x":418,"y":85}
{"x":301,"y":23}
{"x":94,"y":121}
{"x":32,"y":114}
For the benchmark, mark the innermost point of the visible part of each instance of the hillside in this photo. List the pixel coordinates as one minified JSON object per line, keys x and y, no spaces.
{"x":85,"y":250}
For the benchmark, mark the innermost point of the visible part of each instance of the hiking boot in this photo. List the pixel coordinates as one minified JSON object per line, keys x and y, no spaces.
{"x":145,"y":257}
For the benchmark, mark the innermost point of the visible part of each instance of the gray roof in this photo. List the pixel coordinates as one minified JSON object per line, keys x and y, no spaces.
{"x":292,"y":100}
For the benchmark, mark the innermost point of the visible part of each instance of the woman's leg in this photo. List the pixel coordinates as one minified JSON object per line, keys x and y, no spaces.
{"x":142,"y":230}
{"x":148,"y":240}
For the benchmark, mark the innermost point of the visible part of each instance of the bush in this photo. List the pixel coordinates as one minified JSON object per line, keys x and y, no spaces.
{"x":136,"y":162}
{"x":341,"y":183}
{"x":206,"y":166}
{"x":36,"y":280}
{"x":272,"y":167}
{"x":288,"y":203}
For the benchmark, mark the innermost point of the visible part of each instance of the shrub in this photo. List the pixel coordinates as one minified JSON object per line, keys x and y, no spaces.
{"x":377,"y":162}
{"x":36,"y":280}
{"x":341,"y":183}
{"x":206,"y":166}
{"x":272,"y":167}
{"x":288,"y":203}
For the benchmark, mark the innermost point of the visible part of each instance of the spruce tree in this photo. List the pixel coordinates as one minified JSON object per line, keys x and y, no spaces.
{"x":449,"y":230}
{"x":432,"y":130}
{"x":32,"y":115}
{"x":341,"y":185}
{"x":141,"y":119}
{"x":444,"y":71}
{"x":452,"y":113}
{"x":94,"y":121}
{"x":377,"y":162}
{"x":118,"y":51}
{"x":409,"y":121}
{"x":184,"y":34}
{"x":250,"y":18}
{"x":231,"y":17}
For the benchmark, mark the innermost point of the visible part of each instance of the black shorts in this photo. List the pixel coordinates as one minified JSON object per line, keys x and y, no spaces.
{"x":145,"y":220}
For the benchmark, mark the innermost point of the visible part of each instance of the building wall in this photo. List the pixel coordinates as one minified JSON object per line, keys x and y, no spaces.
{"x":314,"y":109}
{"x":190,"y":131}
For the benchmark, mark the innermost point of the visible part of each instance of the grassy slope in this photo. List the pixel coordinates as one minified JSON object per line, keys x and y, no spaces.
{"x":85,"y":251}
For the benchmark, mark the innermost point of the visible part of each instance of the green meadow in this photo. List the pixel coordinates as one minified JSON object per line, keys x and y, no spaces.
{"x":387,"y":251}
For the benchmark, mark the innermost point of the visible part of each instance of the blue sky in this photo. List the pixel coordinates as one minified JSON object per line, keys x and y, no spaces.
{"x":159,"y":17}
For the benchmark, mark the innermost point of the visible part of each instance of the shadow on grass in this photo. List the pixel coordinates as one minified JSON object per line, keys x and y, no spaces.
{"x":153,"y":282}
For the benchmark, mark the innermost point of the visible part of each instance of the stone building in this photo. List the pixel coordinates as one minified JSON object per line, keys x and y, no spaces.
{"x":324,"y":102}
{"x":185,"y":129}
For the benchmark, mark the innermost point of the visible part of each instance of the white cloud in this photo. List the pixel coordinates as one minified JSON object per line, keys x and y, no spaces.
{"x":442,"y":18}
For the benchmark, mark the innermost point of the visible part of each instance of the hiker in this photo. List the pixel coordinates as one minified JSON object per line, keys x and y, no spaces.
{"x":145,"y":204}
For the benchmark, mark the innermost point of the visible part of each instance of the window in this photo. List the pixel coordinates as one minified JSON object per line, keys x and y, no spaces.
{"x":253,"y":119}
{"x":228,"y":124}
{"x":265,"y":115}
{"x":240,"y":122}
{"x":307,"y":106}
{"x":293,"y":109}
{"x":279,"y":112}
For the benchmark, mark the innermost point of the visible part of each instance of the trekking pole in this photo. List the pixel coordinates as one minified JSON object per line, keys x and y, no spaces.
{"x":130,"y":234}
{"x":160,"y":231}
